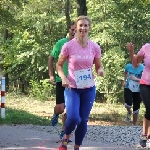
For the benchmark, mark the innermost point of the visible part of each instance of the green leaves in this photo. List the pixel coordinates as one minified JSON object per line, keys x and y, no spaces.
{"x":113,"y":62}
{"x":37,"y":25}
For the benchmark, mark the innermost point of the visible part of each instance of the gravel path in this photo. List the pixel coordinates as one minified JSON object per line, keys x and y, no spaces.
{"x":30,"y":137}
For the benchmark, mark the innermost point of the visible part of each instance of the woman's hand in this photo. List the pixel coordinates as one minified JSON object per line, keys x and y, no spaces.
{"x":124,"y":83}
{"x":132,"y":77}
{"x":65,"y":83}
{"x":130,"y":47}
{"x":100,"y":72}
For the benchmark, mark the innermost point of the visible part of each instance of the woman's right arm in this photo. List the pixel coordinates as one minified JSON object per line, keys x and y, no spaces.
{"x":59,"y":69}
{"x":136,"y":59}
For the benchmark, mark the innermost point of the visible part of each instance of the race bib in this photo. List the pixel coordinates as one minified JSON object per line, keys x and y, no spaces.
{"x":83,"y":78}
{"x":134,"y":86}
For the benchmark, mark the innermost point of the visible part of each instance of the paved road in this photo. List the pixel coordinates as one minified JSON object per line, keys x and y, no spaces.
{"x":29,"y":137}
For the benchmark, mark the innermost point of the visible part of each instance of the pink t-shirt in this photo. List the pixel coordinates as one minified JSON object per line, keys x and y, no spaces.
{"x":145,"y":52}
{"x":79,"y":58}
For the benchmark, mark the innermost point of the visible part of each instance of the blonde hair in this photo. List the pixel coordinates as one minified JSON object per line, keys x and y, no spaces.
{"x":82,"y":18}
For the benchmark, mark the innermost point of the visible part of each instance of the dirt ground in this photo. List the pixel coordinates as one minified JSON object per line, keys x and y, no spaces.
{"x":30,"y":137}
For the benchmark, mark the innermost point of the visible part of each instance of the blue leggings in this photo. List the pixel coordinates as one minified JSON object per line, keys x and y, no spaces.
{"x":78,"y":103}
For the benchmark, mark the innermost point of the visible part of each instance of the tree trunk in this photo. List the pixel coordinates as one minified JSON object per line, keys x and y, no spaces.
{"x":67,"y":10}
{"x":82,"y":9}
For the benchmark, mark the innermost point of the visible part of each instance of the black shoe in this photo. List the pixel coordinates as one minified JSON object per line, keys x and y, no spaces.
{"x":143,"y":140}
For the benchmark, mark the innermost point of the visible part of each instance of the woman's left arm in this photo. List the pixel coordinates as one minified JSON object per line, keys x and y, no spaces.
{"x":98,"y":67}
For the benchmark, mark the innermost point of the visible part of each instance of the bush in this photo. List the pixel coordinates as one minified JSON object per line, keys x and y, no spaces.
{"x":43,"y":90}
{"x":111,"y":85}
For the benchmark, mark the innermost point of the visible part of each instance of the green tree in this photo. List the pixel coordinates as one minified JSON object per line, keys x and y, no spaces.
{"x":36,"y":26}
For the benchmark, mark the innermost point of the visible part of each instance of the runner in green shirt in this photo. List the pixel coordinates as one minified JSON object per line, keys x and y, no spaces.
{"x":55,"y":54}
{"x":60,"y":102}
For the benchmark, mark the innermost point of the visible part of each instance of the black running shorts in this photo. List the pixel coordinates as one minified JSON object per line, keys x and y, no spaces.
{"x":60,"y":93}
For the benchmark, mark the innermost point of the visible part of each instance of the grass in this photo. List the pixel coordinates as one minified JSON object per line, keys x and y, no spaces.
{"x":24,"y":110}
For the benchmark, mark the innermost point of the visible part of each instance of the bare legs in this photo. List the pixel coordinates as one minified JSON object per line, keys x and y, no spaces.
{"x":135,"y":118}
{"x":129,"y":110}
{"x":63,"y":121}
{"x":146,"y":126}
{"x":59,"y":108}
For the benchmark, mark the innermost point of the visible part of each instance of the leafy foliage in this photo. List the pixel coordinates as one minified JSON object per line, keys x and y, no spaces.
{"x":37,"y":25}
{"x":113,"y":62}
{"x":43,"y":90}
